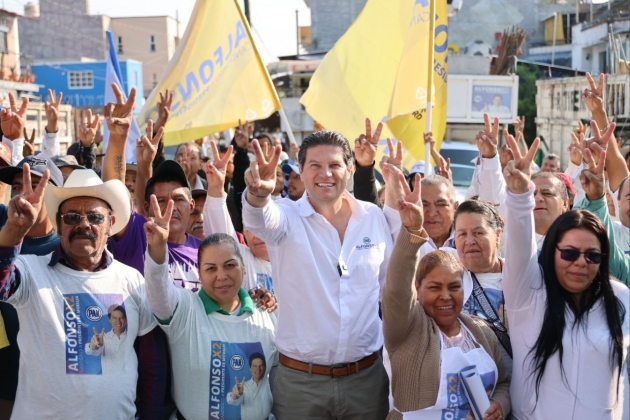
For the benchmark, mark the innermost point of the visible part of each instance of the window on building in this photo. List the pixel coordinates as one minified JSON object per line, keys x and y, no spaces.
{"x":4,"y":44}
{"x":155,"y":79}
{"x":120,"y":45}
{"x":603,"y":62}
{"x":152,"y":43}
{"x":80,"y":80}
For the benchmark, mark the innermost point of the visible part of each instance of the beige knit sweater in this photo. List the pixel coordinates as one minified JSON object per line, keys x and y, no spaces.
{"x":412,"y":338}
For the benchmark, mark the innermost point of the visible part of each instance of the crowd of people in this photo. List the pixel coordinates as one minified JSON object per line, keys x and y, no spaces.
{"x":260,"y":280}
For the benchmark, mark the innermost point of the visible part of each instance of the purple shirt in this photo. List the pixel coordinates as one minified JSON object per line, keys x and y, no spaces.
{"x":182,"y":258}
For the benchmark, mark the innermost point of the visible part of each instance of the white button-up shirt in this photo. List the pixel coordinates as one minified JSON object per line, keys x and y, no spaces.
{"x":328,"y":292}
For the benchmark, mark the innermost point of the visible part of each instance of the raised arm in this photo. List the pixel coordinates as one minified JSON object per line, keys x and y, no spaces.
{"x":489,"y":178}
{"x":592,"y":181}
{"x":399,"y":292}
{"x":118,"y":117}
{"x":216,"y":217}
{"x":521,"y":273}
{"x":21,"y":216}
{"x":594,"y":100}
{"x":50,"y":142}
{"x":261,"y":215}
{"x":12,"y":121}
{"x":87,"y":135}
{"x":146,"y":150}
{"x":365,"y":151}
{"x":161,"y":292}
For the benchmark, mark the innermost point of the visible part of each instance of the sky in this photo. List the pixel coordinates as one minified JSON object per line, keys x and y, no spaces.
{"x":272,"y":20}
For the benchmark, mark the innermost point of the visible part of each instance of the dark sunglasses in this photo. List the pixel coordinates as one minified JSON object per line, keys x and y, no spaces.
{"x":592,"y":257}
{"x":73,"y":219}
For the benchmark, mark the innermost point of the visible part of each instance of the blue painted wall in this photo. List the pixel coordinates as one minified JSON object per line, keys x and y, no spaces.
{"x":55,"y":76}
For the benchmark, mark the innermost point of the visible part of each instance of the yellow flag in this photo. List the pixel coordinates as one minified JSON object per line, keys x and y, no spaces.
{"x":375,"y":70}
{"x":407,"y":113}
{"x":216,"y":74}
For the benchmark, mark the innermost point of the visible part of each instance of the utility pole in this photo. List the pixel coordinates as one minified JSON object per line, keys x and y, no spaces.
{"x":246,"y":4}
{"x":297,"y":33}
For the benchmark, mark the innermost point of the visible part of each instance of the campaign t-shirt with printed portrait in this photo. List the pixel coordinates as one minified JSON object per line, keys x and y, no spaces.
{"x":60,"y":311}
{"x":213,"y":352}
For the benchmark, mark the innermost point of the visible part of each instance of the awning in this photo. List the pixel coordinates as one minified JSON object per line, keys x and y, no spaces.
{"x":546,"y":58}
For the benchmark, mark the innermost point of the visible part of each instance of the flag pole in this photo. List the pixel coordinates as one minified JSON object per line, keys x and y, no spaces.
{"x":430,"y":59}
{"x":283,"y":116}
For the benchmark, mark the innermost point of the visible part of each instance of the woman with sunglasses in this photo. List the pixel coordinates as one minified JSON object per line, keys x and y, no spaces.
{"x":222,"y":347}
{"x":569,"y":322}
{"x":428,"y":337}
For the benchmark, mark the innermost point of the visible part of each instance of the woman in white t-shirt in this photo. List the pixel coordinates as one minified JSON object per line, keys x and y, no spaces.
{"x":222,"y":347}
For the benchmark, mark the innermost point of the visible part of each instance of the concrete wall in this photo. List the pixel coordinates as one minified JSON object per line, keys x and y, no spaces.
{"x":480,"y":20}
{"x":330,"y":19}
{"x":63,"y":31}
{"x":136,"y":33}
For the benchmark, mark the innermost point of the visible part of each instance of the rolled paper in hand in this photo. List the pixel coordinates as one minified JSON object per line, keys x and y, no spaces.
{"x":475,"y":391}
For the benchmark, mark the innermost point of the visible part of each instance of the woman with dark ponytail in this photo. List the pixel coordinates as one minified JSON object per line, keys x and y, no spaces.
{"x":569,"y":321}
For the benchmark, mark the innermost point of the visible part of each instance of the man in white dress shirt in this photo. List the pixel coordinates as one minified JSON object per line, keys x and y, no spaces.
{"x":110,"y":345}
{"x":328,"y":253}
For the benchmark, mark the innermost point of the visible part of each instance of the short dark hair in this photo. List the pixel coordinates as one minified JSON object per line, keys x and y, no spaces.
{"x":164,"y":179}
{"x":325,"y":138}
{"x":255,"y":356}
{"x":218,"y":239}
{"x":118,"y":308}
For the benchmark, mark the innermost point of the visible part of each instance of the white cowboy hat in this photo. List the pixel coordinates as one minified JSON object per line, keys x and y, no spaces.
{"x":86,"y":183}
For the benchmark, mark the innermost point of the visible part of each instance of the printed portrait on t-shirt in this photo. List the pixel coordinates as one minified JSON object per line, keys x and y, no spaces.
{"x":96,"y":332}
{"x":495,"y":296}
{"x":263,"y":281}
{"x":239,"y":382}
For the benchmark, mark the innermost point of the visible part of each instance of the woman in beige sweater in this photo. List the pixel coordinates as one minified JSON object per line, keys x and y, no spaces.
{"x":428,"y":338}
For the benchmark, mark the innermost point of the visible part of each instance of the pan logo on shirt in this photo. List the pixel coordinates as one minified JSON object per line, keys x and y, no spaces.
{"x":95,"y":327}
{"x":94,"y":313}
{"x":239,"y":384}
{"x":367,"y":244}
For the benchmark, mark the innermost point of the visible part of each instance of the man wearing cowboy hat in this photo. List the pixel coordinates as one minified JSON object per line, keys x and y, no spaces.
{"x":62,"y":297}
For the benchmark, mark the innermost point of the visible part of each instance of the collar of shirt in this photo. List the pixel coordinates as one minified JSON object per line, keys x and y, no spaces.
{"x":59,"y":257}
{"x":306,"y":209}
{"x":449,"y":242}
{"x":247,"y":304}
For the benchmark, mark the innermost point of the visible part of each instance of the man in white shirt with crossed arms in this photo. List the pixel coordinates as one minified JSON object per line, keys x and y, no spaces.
{"x":329,"y":253}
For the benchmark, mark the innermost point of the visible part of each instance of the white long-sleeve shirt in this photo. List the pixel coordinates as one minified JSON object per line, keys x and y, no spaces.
{"x":489,"y":183}
{"x":586,"y":387}
{"x":50,"y":148}
{"x":111,"y":352}
{"x":216,"y":219}
{"x":329,"y":290}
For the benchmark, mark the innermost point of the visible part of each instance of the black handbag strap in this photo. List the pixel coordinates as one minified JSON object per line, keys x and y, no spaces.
{"x":499,"y":329}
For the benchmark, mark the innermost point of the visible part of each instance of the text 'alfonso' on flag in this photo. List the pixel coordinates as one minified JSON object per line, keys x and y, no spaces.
{"x":216,"y":75}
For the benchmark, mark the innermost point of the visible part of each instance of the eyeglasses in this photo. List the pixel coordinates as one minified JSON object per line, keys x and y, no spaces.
{"x":591,"y":257}
{"x":73,"y":219}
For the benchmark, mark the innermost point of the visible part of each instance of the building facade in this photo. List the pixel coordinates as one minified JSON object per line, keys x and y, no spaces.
{"x":63,"y":30}
{"x":83,"y":83}
{"x":151,"y":40}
